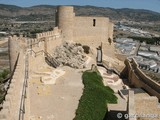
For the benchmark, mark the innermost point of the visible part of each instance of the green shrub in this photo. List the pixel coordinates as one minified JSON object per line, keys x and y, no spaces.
{"x":4,"y":74}
{"x":86,"y":49}
{"x":93,"y":102}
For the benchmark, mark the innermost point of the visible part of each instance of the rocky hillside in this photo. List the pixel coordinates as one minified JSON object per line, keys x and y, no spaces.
{"x":47,"y":12}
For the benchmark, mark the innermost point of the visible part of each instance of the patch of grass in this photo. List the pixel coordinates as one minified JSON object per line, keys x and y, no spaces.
{"x":4,"y":74}
{"x":93,"y":103}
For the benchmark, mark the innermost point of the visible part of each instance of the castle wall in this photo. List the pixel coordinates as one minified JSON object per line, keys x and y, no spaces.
{"x":13,"y":51}
{"x":11,"y":104}
{"x":21,"y":50}
{"x":15,"y":45}
{"x":137,"y":78}
{"x":110,"y":30}
{"x":44,"y":43}
{"x":93,"y":31}
{"x":110,"y":49}
{"x":90,"y":30}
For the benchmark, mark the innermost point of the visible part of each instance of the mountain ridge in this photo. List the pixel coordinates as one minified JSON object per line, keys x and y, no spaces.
{"x":16,"y":12}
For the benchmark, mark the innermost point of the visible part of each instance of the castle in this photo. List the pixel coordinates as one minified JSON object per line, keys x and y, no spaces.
{"x":27,"y":55}
{"x":91,"y":31}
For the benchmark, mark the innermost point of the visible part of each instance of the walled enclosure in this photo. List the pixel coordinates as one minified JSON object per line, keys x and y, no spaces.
{"x":137,"y":78}
{"x":22,"y":53}
{"x":86,"y":30}
{"x":91,"y":31}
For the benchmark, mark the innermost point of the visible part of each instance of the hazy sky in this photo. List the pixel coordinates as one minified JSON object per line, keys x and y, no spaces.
{"x":153,"y":5}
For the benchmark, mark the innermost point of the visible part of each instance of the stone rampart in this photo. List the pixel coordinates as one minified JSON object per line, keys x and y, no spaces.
{"x":121,"y":57}
{"x":11,"y":104}
{"x":13,"y":50}
{"x":137,"y":78}
{"x":54,"y":33}
{"x":45,"y":42}
{"x":90,"y":31}
{"x":13,"y":107}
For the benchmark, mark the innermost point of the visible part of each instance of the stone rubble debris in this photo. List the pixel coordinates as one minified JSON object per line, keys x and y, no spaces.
{"x":70,"y":54}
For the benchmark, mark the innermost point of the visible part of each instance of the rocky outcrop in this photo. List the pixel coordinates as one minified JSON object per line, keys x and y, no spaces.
{"x":70,"y":54}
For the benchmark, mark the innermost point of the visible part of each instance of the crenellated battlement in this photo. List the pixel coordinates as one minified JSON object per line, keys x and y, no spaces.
{"x":56,"y":32}
{"x":12,"y":101}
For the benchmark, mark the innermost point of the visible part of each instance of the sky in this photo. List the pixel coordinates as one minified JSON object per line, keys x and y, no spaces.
{"x":153,"y":5}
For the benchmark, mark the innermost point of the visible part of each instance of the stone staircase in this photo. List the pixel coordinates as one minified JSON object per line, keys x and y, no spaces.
{"x":51,"y":61}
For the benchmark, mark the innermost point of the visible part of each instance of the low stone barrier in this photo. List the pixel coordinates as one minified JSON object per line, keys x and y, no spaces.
{"x":139,"y":79}
{"x":11,"y":104}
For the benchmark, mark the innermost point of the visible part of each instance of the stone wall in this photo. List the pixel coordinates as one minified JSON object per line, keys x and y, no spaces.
{"x":137,"y":78}
{"x":20,"y":50}
{"x":84,"y":31}
{"x":91,"y":31}
{"x":11,"y":104}
{"x":44,"y":43}
{"x":65,"y":19}
{"x":121,"y":57}
{"x":14,"y":45}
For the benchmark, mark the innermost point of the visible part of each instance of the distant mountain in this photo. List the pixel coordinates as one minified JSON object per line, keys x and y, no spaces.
{"x":47,"y":12}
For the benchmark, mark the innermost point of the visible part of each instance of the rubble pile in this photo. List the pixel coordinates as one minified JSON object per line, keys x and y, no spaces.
{"x":70,"y":54}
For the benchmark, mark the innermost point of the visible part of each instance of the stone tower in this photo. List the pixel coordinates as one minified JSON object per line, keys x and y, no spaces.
{"x":65,"y":20}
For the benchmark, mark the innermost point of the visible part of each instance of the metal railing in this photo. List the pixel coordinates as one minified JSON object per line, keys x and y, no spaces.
{"x":24,"y":89}
{"x":25,"y":83}
{"x":9,"y":79}
{"x":49,"y":58}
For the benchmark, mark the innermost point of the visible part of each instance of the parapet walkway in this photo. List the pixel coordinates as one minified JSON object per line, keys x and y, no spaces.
{"x":55,"y":101}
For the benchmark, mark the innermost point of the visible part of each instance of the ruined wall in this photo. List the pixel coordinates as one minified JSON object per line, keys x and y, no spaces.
{"x":137,"y":78}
